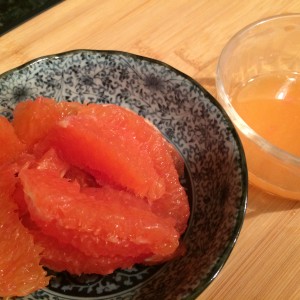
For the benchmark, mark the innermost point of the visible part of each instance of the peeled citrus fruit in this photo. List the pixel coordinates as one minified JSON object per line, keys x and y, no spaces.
{"x":97,"y":225}
{"x":20,"y":269}
{"x":165,"y":159}
{"x":86,"y":189}
{"x":34,"y":118}
{"x":11,"y":146}
{"x":60,"y":256}
{"x":121,"y":160}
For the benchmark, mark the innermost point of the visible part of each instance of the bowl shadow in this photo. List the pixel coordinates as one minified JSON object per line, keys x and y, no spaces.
{"x":262,"y":202}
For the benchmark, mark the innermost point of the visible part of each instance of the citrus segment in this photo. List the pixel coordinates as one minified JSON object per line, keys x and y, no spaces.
{"x":174,"y":202}
{"x":21,"y":272}
{"x":60,"y":256}
{"x":109,"y":194}
{"x":89,"y":143}
{"x":51,"y":162}
{"x":11,"y":146}
{"x":33,"y":119}
{"x":97,"y":226}
{"x":68,"y":108}
{"x":8,"y":180}
{"x":96,"y":189}
{"x":144,"y":131}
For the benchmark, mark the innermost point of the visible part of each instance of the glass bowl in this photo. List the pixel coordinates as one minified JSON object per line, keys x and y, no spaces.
{"x":264,"y":48}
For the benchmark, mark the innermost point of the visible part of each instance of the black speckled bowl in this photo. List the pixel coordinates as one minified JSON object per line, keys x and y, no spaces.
{"x":215,"y":173}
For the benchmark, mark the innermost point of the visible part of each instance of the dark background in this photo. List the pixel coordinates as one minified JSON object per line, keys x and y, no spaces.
{"x":15,"y":12}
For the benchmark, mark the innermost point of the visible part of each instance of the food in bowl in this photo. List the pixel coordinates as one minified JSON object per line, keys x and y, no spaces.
{"x":214,"y":177}
{"x":96,"y":189}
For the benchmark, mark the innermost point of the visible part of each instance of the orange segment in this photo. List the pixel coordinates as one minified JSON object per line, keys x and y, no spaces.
{"x":97,"y":187}
{"x":144,"y":131}
{"x":109,"y":195}
{"x":11,"y":146}
{"x":33,"y":119}
{"x":51,"y":162}
{"x":92,"y":144}
{"x":60,"y":256}
{"x":166,"y":160}
{"x":97,"y":226}
{"x":174,"y":202}
{"x":21,"y":272}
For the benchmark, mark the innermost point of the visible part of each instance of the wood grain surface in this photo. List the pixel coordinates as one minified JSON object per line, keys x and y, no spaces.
{"x":189,"y":35}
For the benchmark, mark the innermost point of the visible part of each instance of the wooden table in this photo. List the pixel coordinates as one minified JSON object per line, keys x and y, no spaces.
{"x":189,"y":35}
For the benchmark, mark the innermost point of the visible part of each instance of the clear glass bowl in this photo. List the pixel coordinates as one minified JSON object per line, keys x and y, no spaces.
{"x":269,"y":45}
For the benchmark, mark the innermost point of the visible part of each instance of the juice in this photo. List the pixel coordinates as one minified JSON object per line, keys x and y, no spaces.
{"x":270,"y":105}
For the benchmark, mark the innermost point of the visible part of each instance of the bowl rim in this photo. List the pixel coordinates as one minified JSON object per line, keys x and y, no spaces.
{"x":246,"y":130}
{"x":241,"y":208}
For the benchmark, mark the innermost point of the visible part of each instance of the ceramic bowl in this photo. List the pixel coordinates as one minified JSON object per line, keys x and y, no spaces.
{"x":215,"y":169}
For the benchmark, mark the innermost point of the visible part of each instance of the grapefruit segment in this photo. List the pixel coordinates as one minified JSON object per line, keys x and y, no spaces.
{"x":25,"y":160}
{"x":109,"y":194}
{"x":145,"y":132}
{"x":60,"y":256}
{"x":34,"y":119}
{"x":95,"y":225}
{"x":68,"y":108}
{"x":91,"y":144}
{"x":167,"y":162}
{"x":51,"y":162}
{"x":21,"y":272}
{"x":94,"y":188}
{"x":11,"y":146}
{"x":173,"y":204}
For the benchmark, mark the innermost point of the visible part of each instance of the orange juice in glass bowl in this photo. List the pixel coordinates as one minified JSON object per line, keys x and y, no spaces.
{"x":258,"y":84}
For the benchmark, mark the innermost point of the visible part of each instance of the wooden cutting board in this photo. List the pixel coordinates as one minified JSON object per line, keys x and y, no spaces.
{"x":189,"y":35}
